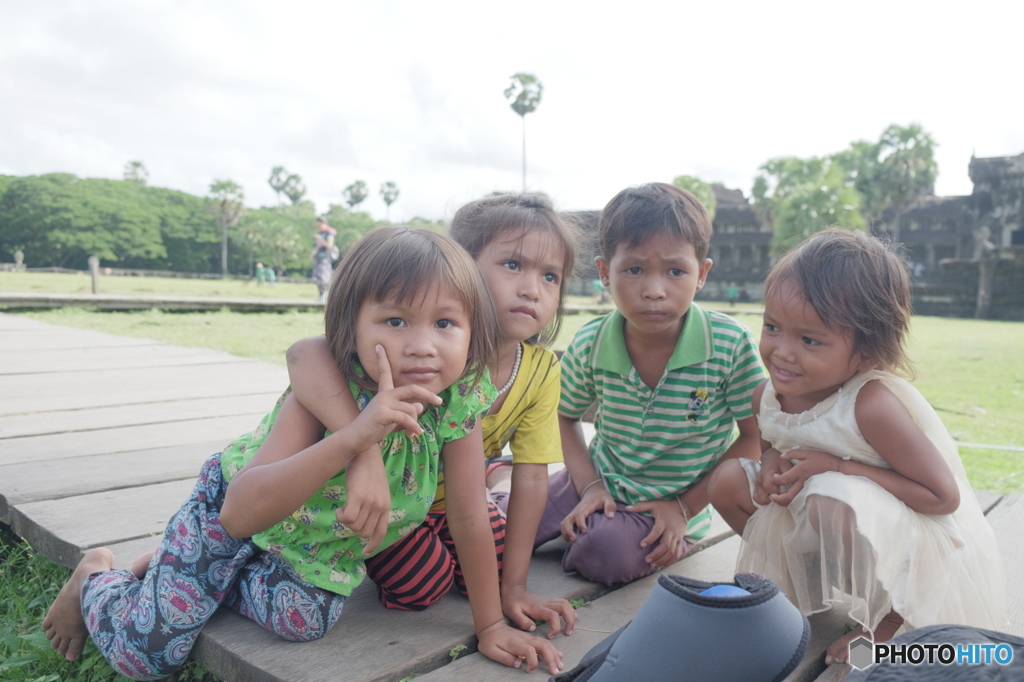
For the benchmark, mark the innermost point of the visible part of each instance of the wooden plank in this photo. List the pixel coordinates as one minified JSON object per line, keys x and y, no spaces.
{"x":826,"y":627}
{"x":60,"y":529}
{"x":67,"y":421}
{"x":607,"y":614}
{"x":369,"y":643}
{"x":47,"y":392}
{"x":987,"y":500}
{"x":602,"y":617}
{"x":234,"y":649}
{"x":125,"y":553}
{"x":31,"y":361}
{"x":37,"y":480}
{"x":58,"y":338}
{"x":18,"y":323}
{"x":836,"y":672}
{"x":69,"y":446}
{"x":611,"y":612}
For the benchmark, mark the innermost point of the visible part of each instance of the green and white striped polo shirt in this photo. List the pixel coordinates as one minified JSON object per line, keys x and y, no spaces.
{"x":656,"y":443}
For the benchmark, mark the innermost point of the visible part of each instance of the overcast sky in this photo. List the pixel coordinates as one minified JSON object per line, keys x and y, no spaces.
{"x":411,"y":92}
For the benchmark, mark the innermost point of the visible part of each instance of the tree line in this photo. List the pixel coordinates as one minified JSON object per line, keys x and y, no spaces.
{"x":60,"y":220}
{"x":850,"y":188}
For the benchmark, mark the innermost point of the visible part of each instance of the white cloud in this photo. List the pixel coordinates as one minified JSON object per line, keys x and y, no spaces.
{"x":412,"y":92}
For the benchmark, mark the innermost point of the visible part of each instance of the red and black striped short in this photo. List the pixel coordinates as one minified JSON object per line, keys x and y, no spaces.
{"x":419,"y":569}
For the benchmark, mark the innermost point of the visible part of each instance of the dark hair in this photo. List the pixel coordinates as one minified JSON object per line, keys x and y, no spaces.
{"x":402,"y":262}
{"x":854,"y":281}
{"x":480,"y":222}
{"x":636,"y":214}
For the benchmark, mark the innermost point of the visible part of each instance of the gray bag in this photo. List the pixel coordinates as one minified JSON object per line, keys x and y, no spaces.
{"x":686,"y":631}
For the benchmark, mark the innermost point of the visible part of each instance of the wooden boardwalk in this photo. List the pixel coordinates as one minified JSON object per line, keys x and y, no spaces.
{"x":101,"y":438}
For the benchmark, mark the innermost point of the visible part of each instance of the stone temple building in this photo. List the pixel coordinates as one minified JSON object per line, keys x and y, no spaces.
{"x":965,"y":253}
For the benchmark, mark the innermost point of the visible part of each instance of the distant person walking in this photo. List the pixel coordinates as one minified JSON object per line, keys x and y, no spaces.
{"x":323,"y":256}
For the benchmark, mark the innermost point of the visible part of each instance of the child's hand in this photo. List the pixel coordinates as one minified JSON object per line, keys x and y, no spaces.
{"x":806,"y":463}
{"x":524,"y":607}
{"x":595,"y":498}
{"x":391,"y":409}
{"x":669,"y":528}
{"x":368,"y":507}
{"x":771,"y":464}
{"x":513,"y":648}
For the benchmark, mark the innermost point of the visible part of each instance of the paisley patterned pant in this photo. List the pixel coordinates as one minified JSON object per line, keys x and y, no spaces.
{"x":146,"y":628}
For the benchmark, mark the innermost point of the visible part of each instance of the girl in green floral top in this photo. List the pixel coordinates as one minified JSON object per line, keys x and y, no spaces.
{"x":411,"y":326}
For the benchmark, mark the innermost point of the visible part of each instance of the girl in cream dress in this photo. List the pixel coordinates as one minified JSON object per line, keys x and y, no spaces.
{"x":860,"y":498}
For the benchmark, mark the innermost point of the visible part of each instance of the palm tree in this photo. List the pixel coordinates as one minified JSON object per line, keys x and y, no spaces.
{"x":524,"y":93}
{"x":227,"y":207}
{"x":278,"y":178}
{"x":136,"y":172}
{"x":389,"y":193}
{"x":294,"y":188}
{"x":355,"y":193}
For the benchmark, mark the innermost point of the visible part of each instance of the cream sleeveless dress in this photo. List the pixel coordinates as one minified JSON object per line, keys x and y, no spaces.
{"x":846,"y":540}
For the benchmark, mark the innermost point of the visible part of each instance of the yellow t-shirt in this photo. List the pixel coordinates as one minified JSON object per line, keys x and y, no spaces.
{"x":528,"y":419}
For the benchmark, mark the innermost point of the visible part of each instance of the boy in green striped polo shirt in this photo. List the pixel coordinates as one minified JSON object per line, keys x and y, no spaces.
{"x":670,"y":379}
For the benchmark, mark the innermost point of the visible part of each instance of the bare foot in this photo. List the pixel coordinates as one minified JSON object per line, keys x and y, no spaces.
{"x":64,"y":624}
{"x":141,"y":565}
{"x":839,"y":650}
{"x":499,"y":478}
